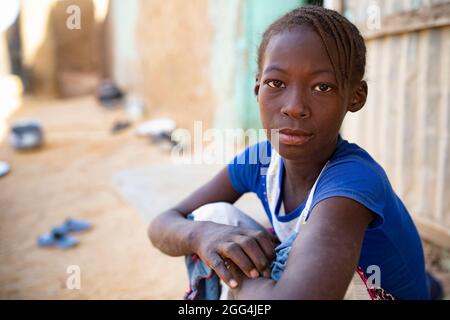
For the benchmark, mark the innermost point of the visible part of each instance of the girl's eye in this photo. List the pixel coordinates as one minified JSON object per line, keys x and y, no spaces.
{"x":276,"y":84}
{"x":322,"y":87}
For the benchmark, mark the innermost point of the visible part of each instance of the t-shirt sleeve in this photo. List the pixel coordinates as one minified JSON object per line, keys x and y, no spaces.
{"x":360,"y":181}
{"x":245,"y":169}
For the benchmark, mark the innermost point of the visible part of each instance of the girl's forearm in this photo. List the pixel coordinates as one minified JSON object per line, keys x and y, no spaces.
{"x":173,"y":234}
{"x":255,"y":289}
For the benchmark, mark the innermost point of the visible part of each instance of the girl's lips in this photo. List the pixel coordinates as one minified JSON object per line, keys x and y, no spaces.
{"x":294,"y":138}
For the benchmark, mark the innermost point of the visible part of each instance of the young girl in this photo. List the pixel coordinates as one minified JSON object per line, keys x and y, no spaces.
{"x":330,"y":204}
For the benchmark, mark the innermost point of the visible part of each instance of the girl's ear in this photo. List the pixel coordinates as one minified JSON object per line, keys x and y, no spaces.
{"x":359,"y":97}
{"x":256,"y":89}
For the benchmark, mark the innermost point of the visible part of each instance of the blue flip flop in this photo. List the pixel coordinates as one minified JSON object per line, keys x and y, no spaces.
{"x":75,"y":225}
{"x":57,"y":237}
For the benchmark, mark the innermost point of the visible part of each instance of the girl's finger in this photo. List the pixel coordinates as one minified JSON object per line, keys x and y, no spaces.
{"x":267,"y":241}
{"x":252,"y":249}
{"x":232,"y":251}
{"x":216,"y":263}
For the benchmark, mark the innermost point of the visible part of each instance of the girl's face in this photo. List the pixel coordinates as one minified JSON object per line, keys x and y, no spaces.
{"x":298,"y":94}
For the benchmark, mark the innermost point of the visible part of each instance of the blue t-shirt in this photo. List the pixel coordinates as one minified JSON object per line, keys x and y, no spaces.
{"x":391,"y":241}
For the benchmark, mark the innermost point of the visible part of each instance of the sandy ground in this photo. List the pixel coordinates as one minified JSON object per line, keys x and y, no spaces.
{"x":71,"y":177}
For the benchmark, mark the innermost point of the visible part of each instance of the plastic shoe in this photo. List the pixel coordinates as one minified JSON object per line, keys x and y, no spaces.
{"x":75,"y":225}
{"x":57,"y":237}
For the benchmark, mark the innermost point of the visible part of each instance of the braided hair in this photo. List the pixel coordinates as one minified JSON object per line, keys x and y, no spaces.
{"x":335,"y":31}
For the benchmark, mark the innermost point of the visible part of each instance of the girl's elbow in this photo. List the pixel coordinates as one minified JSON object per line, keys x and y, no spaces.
{"x":152,"y":231}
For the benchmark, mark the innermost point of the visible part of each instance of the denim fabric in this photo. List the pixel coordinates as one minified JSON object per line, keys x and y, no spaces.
{"x":282,"y":254}
{"x":204,"y":284}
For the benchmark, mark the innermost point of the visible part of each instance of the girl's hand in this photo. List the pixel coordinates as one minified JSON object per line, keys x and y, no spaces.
{"x":236,"y":273}
{"x":250,"y":250}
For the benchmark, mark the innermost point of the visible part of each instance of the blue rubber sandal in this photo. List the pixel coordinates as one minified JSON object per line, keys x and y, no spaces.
{"x":75,"y":225}
{"x":57,"y":237}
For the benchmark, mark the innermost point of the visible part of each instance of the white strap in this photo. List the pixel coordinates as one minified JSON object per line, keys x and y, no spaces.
{"x":284,"y":229}
{"x":305,"y":212}
{"x":272,"y":179}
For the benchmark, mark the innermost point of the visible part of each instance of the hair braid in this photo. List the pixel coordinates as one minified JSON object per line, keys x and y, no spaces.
{"x":334,"y":30}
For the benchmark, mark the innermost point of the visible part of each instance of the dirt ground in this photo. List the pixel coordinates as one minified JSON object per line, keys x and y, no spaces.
{"x":71,"y":176}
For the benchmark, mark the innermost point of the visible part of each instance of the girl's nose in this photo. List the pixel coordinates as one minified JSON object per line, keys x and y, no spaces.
{"x":296,"y":107}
